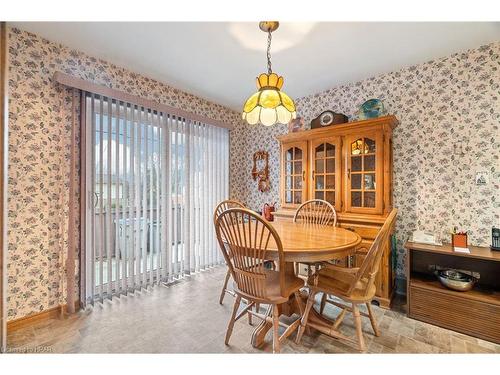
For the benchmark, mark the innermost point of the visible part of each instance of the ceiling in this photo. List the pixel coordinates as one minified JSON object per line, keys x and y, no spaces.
{"x":220,"y":60}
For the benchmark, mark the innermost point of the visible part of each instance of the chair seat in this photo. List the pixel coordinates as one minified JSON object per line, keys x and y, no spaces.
{"x":292,"y":284}
{"x":337,"y":281}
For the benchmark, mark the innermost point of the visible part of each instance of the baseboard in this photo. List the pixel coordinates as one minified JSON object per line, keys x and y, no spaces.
{"x":52,"y":313}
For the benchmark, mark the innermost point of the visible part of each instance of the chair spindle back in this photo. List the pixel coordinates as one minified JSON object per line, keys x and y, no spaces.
{"x":316,"y":211}
{"x":225,"y":205}
{"x":371,"y":263}
{"x":247,"y":237}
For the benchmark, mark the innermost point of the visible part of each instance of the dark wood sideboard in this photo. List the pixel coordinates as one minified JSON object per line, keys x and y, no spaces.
{"x":476,"y":312}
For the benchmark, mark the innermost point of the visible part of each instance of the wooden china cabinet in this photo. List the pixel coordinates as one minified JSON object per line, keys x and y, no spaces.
{"x":350,"y":166}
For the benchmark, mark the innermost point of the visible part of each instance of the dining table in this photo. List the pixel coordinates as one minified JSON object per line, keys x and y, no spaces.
{"x":306,"y":243}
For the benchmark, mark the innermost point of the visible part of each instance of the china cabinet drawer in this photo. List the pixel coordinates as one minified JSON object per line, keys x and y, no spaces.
{"x":365,"y":232}
{"x":361,"y":252}
{"x":364,"y":246}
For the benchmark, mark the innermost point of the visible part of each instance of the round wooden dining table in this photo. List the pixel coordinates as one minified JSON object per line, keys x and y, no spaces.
{"x":311,"y":243}
{"x":308,"y":243}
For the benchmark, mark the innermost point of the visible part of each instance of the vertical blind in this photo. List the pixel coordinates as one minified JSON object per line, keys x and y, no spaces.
{"x":153,"y":180}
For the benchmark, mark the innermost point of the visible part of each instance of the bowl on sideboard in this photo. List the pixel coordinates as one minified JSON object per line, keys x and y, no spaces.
{"x":456,"y":280}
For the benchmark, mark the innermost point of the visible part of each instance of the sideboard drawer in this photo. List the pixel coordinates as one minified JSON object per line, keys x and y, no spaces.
{"x":452,"y":311}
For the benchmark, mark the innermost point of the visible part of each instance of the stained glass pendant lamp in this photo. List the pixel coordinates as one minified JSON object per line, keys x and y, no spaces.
{"x":269,"y":105}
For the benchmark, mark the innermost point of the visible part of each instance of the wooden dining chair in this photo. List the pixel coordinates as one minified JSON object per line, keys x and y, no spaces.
{"x":354,"y":286}
{"x":248,"y":237}
{"x":314,"y":211}
{"x":221,"y":207}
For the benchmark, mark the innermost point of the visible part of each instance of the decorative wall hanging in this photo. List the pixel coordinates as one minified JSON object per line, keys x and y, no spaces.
{"x":372,"y":108}
{"x":262,"y":175}
{"x":328,"y":118}
{"x":269,"y":105}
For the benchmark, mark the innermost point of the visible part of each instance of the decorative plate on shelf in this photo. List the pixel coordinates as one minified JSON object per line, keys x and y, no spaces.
{"x":296,"y":125}
{"x":372,"y":108}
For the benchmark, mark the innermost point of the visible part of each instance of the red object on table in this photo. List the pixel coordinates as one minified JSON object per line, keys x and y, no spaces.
{"x":268,"y":208}
{"x":459,"y":240}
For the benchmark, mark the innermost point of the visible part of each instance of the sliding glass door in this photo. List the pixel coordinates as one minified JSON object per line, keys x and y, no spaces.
{"x":152,"y":182}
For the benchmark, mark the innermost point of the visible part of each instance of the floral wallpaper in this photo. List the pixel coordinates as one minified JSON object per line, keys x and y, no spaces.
{"x":448,"y":111}
{"x":449,"y":114}
{"x":39,"y":147}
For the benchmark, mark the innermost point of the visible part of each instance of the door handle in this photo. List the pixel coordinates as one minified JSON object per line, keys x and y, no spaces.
{"x":303,"y":175}
{"x":349,"y":173}
{"x":313,"y":174}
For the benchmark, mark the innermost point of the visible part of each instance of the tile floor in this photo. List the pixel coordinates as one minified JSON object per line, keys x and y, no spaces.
{"x":187,"y":318}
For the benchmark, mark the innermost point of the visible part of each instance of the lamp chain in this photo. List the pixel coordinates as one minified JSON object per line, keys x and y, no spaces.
{"x":269,"y":68}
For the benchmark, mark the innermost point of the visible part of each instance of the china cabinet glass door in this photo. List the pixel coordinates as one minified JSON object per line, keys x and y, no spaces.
{"x":293,"y":173}
{"x":325,"y":170}
{"x":364,"y":173}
